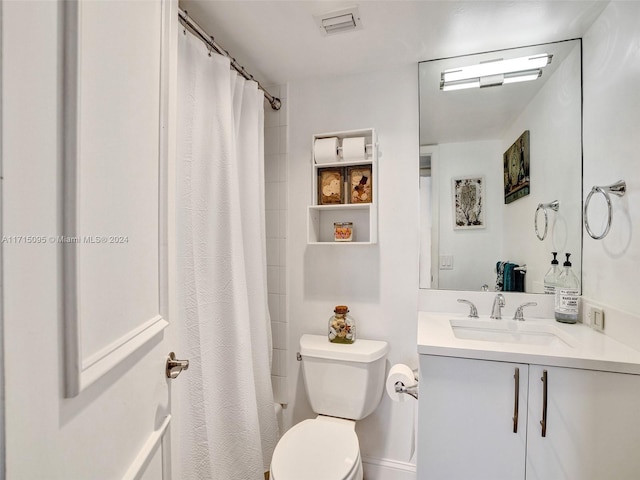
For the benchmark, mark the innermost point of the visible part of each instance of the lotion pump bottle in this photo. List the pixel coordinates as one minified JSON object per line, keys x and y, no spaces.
{"x":567,"y":298}
{"x":551,"y":277}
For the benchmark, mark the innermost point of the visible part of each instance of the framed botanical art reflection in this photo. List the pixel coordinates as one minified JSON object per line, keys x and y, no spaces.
{"x":468,"y":202}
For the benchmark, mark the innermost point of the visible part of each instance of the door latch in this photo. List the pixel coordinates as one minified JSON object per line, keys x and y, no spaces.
{"x":174,"y":366}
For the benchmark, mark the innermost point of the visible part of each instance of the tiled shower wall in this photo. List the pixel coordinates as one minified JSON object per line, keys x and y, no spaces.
{"x":275,"y":159}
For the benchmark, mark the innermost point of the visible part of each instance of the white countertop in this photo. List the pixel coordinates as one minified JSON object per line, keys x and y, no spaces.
{"x":585,"y":347}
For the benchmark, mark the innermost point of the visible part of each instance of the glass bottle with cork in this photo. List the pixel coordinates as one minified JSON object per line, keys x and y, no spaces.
{"x":342,"y":328}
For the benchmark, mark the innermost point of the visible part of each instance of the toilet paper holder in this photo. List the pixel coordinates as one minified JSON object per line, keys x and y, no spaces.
{"x":411,"y":390}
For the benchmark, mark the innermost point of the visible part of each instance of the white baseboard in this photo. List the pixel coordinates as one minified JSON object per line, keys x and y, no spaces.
{"x":385,"y":469}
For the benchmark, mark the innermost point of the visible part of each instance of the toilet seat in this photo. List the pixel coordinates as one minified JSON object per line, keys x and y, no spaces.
{"x":325,"y":448}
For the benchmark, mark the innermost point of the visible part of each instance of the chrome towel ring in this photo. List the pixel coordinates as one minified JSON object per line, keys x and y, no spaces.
{"x":555,"y":205}
{"x":619,"y":188}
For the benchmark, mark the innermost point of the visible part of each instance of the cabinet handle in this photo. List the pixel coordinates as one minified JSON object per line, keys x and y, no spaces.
{"x":516,"y":399}
{"x":543,"y":422}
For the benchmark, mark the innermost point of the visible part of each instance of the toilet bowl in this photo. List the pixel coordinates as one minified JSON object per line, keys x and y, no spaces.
{"x":344,"y":383}
{"x":324,"y":448}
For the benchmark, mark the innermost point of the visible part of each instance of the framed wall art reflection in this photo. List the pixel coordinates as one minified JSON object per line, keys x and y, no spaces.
{"x":468,"y":202}
{"x":516,"y":169}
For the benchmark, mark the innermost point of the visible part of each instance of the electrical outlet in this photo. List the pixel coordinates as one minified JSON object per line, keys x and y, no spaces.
{"x":596,"y":315}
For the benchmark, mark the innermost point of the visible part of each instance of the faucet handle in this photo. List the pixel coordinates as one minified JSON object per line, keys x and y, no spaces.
{"x":496,"y":310}
{"x":519,"y":315}
{"x":473,"y":311}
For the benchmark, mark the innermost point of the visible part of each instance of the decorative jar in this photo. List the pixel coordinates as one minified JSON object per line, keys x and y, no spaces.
{"x":342,"y":328}
{"x":343,"y":231}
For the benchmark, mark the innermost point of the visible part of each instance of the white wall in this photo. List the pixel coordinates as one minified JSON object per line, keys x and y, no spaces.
{"x":2,"y":392}
{"x":553,"y":119}
{"x":611,"y":152}
{"x":377,"y":282}
{"x":475,"y":251}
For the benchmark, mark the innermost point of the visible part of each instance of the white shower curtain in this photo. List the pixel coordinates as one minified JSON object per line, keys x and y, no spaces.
{"x":226,"y":423}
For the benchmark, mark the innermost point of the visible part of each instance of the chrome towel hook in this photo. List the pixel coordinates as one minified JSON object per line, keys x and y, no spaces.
{"x":618,"y":189}
{"x":555,"y":206}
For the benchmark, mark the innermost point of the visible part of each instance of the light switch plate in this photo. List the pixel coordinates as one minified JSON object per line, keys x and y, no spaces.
{"x":597,"y":318}
{"x":446,"y":262}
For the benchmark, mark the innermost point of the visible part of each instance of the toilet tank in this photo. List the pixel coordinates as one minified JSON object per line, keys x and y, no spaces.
{"x":345,"y":381}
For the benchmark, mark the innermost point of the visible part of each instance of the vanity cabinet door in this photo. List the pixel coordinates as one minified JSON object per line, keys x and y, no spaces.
{"x":466,"y":419}
{"x":592,"y":425}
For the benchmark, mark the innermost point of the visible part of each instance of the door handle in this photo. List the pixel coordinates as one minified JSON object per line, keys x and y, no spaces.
{"x":543,"y":422}
{"x":174,"y":366}
{"x":516,"y":399}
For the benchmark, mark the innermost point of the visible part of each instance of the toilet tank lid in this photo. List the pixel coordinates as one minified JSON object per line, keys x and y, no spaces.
{"x":363,"y":351}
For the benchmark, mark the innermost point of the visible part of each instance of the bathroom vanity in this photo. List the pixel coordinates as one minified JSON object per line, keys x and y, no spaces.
{"x":502,"y":399}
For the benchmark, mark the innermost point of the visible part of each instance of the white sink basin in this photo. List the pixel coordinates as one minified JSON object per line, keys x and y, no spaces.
{"x":510,"y":331}
{"x":537,"y":341}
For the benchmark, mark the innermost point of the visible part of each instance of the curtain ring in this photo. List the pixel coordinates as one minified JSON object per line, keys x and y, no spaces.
{"x":184,"y":26}
{"x":619,"y":188}
{"x":555,"y":205}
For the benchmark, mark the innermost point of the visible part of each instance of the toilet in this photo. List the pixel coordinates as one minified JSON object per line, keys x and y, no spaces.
{"x":344,"y":383}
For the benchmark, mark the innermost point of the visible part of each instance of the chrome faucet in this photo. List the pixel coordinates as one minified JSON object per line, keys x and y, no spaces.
{"x":496,"y":310}
{"x":519,"y":315}
{"x":473,"y":311}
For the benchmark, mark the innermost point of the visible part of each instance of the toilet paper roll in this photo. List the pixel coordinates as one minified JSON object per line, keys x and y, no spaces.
{"x":353,"y":149}
{"x":400,"y":373}
{"x":325,"y":150}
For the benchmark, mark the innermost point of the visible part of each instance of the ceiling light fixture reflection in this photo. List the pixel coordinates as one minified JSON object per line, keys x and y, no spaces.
{"x":494,"y":73}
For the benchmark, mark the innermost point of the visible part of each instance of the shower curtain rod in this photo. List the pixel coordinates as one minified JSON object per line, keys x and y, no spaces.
{"x":209,"y":40}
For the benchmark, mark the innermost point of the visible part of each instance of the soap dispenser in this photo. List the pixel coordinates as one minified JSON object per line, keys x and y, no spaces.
{"x":567,"y":294}
{"x":551,"y":277}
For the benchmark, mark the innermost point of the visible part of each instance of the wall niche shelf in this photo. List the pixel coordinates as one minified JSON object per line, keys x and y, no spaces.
{"x":364,"y":216}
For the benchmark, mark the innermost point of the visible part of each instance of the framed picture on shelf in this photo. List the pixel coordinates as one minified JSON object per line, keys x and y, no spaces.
{"x":468,"y":202}
{"x":330,"y":186}
{"x":359,"y":181}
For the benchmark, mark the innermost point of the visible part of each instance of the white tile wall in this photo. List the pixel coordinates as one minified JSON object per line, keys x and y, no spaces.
{"x":275,"y":165}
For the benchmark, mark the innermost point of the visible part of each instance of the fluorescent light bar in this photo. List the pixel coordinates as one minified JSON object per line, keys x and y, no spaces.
{"x":522,"y":76}
{"x":497,"y":66}
{"x":460,"y":85}
{"x":494,"y":73}
{"x":491,"y":80}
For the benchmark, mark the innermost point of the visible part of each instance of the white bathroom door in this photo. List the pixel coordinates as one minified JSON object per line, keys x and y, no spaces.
{"x":87,"y":235}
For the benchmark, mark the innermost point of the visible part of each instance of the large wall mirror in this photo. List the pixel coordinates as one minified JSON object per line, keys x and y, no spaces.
{"x":490,"y":155}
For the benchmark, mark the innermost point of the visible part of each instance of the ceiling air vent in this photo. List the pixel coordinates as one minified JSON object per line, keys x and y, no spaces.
{"x":340,"y":21}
